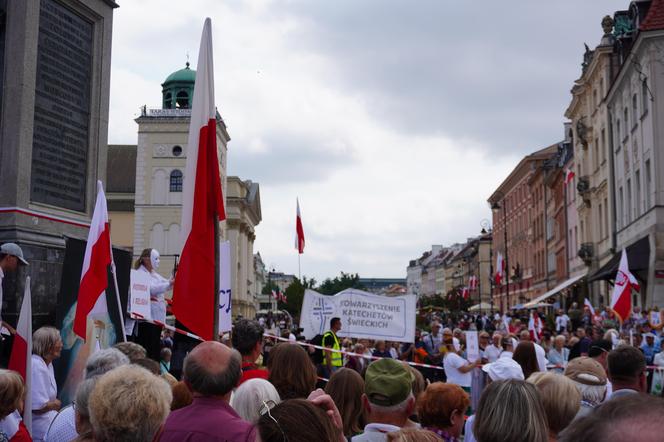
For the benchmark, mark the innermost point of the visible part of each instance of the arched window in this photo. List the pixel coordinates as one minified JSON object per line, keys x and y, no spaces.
{"x":157,"y":237}
{"x":167,"y":100}
{"x":176,"y":181}
{"x":182,"y":100}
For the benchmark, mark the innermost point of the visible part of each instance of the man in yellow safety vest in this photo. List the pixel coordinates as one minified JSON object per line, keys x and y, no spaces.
{"x":333,"y":359}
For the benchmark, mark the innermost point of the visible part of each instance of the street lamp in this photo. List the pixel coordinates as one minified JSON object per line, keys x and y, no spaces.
{"x":495,"y":206}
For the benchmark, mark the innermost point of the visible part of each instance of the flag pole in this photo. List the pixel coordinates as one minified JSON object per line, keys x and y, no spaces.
{"x":215,"y":321}
{"x":115,"y":278}
{"x":299,"y":273}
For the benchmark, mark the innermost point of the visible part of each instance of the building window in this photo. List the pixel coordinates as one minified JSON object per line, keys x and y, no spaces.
{"x":648,"y":186}
{"x":182,"y":100}
{"x":600,"y":216}
{"x":626,"y":119}
{"x":618,"y":139}
{"x":645,"y":96}
{"x":606,"y":217}
{"x":637,"y":187}
{"x":621,"y":207}
{"x":603,"y":145}
{"x":634,"y":108}
{"x":177,"y":151}
{"x":596,"y":159}
{"x":628,"y":208}
{"x":176,"y":181}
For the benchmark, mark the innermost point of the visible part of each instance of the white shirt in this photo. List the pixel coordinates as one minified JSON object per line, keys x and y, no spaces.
{"x":456,"y":343}
{"x":561,"y":322}
{"x":63,"y":427}
{"x":158,"y":286}
{"x":44,"y":389}
{"x":375,"y":433}
{"x":452,"y":363}
{"x":468,"y":430}
{"x":10,"y":424}
{"x":492,"y":353}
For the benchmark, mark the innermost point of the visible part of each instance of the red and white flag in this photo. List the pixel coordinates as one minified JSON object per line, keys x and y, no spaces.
{"x":20,"y":359}
{"x":621,"y":299}
{"x":587,"y":303}
{"x":500,"y":268}
{"x":94,"y":274}
{"x":569,"y":175}
{"x":472,"y":283}
{"x":465,"y":293}
{"x":299,"y":230}
{"x":194,"y":295}
{"x":535,"y":326}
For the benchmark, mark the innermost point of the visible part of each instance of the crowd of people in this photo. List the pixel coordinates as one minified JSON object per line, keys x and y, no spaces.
{"x":258,"y":388}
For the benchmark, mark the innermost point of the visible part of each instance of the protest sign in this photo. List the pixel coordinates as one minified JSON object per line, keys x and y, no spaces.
{"x":225,"y":304}
{"x":139,"y":293}
{"x":363,"y":315}
{"x":472,"y":346}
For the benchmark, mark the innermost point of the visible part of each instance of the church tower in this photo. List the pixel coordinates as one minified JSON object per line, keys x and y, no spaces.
{"x":161,"y":156}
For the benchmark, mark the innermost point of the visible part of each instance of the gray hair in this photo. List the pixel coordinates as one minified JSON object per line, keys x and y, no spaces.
{"x":83,"y":393}
{"x":104,"y":360}
{"x":44,"y":340}
{"x":401,"y":407}
{"x":216,"y":383}
{"x":249,"y":397}
{"x":593,"y":394}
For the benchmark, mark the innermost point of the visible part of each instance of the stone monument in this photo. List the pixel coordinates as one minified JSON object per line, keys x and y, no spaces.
{"x":55,"y":60}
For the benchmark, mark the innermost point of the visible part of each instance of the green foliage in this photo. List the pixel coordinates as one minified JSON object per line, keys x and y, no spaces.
{"x":268,"y":287}
{"x":339,"y":283}
{"x":294,"y":295}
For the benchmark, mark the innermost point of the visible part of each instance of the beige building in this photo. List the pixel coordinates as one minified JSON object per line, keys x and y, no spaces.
{"x":144,"y":190}
{"x":589,"y":116}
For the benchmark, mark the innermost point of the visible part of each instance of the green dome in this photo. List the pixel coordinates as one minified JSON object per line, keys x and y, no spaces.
{"x":185,"y":75}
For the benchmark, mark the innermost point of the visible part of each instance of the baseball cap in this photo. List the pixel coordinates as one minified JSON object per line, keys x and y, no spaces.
{"x":649,"y":335}
{"x":503,"y":369}
{"x":387,"y":382}
{"x":585,"y":370}
{"x":13,"y":249}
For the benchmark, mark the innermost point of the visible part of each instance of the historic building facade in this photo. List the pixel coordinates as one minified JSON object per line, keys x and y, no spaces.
{"x":145,"y":200}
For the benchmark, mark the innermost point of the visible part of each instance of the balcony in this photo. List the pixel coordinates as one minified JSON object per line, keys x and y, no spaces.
{"x":584,"y":189}
{"x":586,"y":252}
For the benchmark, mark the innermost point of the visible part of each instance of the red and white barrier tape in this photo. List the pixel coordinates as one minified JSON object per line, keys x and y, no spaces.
{"x":166,"y":326}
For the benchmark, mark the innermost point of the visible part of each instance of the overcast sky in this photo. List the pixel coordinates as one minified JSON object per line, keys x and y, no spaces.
{"x":393,"y":121}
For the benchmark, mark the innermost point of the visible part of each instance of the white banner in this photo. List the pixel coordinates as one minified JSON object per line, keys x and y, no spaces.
{"x":363,"y":315}
{"x":139,"y":292}
{"x":225,"y":304}
{"x":472,"y":346}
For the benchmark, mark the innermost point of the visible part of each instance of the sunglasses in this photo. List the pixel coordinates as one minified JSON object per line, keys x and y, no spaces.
{"x":265,"y":409}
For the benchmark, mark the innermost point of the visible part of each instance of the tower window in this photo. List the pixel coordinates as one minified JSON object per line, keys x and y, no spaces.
{"x":176,"y":181}
{"x":177,"y":151}
{"x":167,"y":100}
{"x":182,"y":100}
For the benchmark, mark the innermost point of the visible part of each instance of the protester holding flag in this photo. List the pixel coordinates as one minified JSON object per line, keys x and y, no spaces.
{"x":46,"y":347}
{"x":149,"y":335}
{"x":11,"y":256}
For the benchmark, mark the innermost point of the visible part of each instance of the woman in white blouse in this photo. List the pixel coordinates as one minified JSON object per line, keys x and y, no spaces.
{"x":149,"y":335}
{"x":46,"y":347}
{"x":457,"y":369}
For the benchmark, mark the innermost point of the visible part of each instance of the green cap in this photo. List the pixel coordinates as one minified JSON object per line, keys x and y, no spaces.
{"x":387,"y":382}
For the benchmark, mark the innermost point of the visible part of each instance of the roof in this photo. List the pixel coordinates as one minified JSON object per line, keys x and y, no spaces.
{"x":185,"y":75}
{"x":121,"y":168}
{"x":655,"y":18}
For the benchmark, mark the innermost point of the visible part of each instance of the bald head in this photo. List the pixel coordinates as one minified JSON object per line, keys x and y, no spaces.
{"x":212,"y":369}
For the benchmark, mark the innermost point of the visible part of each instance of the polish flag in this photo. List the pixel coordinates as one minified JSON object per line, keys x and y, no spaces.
{"x":500,"y":268}
{"x":621,"y":299}
{"x":299,"y":230}
{"x":194,"y":297}
{"x":20,"y":359}
{"x":535,"y":326}
{"x":586,"y":302}
{"x":94,"y":274}
{"x":472,"y":282}
{"x":569,"y":175}
{"x":465,"y":293}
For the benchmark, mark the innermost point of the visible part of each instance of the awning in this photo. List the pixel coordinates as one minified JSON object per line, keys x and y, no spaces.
{"x":481,"y":306}
{"x":555,"y":290}
{"x":638,"y":256}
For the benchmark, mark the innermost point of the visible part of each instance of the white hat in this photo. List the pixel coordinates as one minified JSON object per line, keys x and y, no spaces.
{"x":504,"y":368}
{"x":13,"y":249}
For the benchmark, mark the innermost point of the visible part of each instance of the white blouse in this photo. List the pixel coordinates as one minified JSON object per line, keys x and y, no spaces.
{"x":158,"y":286}
{"x":43,"y":390}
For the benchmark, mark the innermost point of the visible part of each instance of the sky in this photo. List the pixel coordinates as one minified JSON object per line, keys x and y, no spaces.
{"x":392,"y":121}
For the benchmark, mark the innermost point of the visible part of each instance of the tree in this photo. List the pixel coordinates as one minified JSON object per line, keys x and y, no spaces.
{"x":339,"y":283}
{"x":294,"y":296}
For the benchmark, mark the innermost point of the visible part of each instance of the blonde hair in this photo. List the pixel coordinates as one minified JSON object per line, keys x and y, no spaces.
{"x":11,"y":392}
{"x":560,"y":398}
{"x":129,"y":404}
{"x":44,"y":340}
{"x":510,"y":410}
{"x":413,"y":435}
